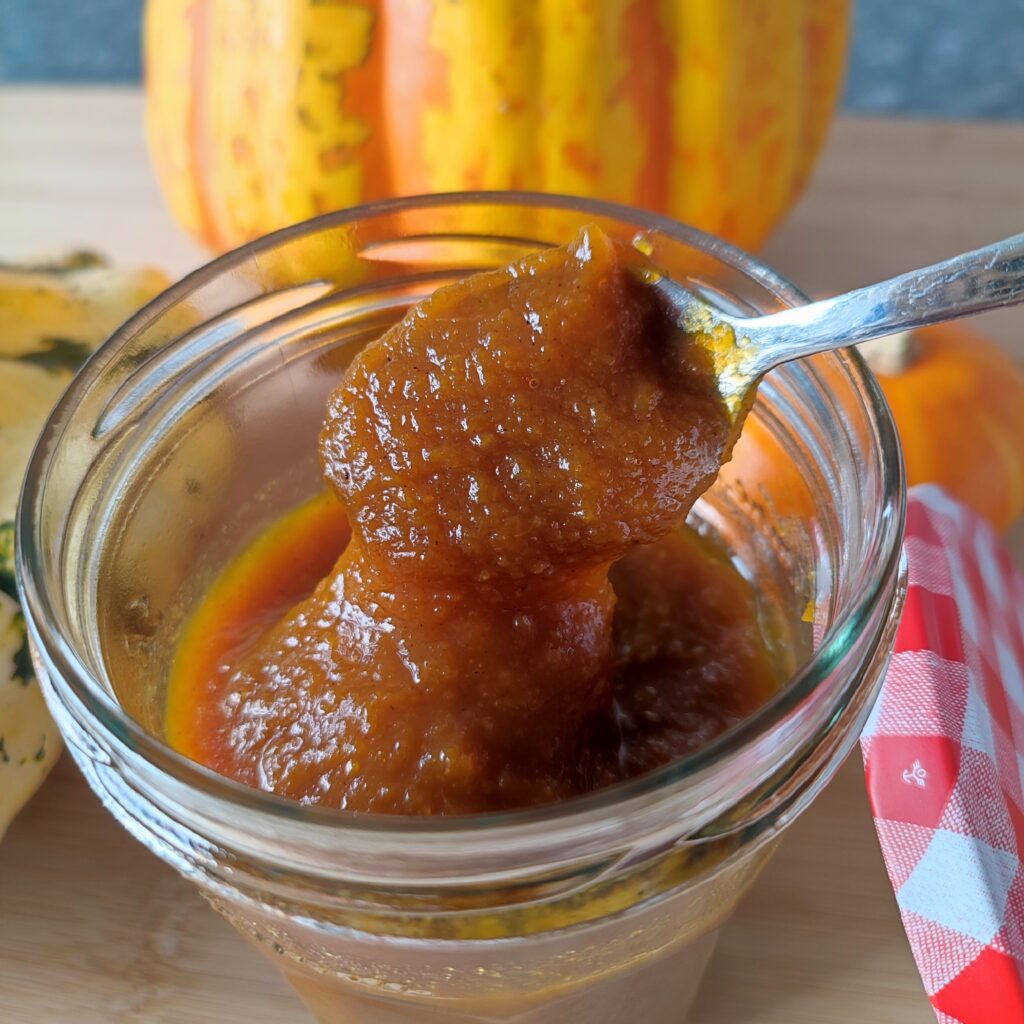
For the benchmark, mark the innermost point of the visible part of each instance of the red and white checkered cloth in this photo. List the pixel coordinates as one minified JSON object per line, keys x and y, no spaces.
{"x":944,"y":759}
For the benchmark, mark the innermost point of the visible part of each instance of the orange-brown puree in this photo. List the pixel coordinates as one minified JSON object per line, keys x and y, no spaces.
{"x":496,"y":452}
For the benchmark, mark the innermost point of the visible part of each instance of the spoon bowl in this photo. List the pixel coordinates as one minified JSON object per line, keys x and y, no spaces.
{"x":743,"y":349}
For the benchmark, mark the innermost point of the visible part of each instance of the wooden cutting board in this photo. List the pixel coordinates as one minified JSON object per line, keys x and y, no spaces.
{"x":95,"y":930}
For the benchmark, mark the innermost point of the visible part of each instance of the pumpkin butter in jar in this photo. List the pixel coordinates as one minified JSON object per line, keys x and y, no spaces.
{"x":496,"y":606}
{"x":475,"y":727}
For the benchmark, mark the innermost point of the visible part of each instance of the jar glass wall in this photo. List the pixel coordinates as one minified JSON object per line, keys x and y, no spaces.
{"x":194,"y":427}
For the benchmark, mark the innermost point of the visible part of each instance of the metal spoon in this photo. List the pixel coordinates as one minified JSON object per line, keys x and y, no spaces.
{"x":743,"y":349}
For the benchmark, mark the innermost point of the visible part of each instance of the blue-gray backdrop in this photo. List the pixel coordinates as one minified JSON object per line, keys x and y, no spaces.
{"x":951,"y":58}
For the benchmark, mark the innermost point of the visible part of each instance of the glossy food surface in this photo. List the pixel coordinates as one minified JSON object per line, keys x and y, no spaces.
{"x":689,"y":660}
{"x":524,"y":422}
{"x":496,"y":453}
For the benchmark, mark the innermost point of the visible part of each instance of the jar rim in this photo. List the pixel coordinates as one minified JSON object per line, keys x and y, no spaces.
{"x":104,"y":709}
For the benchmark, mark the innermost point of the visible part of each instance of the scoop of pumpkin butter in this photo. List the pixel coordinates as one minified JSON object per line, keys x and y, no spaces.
{"x":52,"y":316}
{"x":496,"y":452}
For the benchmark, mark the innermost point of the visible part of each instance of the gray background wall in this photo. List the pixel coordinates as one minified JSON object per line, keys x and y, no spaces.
{"x":943,"y":58}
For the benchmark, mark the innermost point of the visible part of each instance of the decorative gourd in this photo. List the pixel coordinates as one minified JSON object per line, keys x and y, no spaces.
{"x":768,"y":477}
{"x":262,"y":113}
{"x":51,"y":317}
{"x":958,"y":402}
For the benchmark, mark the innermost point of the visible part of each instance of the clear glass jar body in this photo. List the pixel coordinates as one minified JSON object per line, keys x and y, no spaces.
{"x":195,"y":426}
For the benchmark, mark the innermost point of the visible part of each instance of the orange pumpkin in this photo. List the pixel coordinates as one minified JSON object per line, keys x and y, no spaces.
{"x":958,"y":403}
{"x":767,"y":474}
{"x":262,"y":113}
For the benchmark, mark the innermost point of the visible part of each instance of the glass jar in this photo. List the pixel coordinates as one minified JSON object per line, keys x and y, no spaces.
{"x":195,"y":426}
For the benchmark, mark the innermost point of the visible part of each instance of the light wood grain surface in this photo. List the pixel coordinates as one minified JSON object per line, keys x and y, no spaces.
{"x":94,"y":930}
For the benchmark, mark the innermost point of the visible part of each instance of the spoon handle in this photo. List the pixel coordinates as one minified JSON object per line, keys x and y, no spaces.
{"x":970,"y":283}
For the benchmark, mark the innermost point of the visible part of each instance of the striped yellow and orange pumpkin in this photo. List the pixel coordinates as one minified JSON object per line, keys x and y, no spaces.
{"x":262,"y":113}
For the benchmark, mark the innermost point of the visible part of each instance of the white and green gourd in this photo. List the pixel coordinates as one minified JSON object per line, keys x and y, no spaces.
{"x":52,"y":316}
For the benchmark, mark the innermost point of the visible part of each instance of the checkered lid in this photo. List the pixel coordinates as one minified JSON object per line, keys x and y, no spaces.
{"x":944,"y":760}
